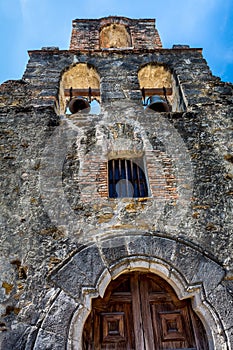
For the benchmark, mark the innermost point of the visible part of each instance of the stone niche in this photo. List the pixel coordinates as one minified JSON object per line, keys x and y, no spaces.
{"x":115,"y":36}
{"x":80,"y":76}
{"x":154,"y":76}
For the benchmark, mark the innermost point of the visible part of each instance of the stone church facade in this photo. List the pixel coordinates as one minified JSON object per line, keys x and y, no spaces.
{"x":116,"y":196}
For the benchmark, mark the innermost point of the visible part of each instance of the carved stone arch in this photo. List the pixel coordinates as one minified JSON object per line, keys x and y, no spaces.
{"x":87,"y":274}
{"x":173,"y":277}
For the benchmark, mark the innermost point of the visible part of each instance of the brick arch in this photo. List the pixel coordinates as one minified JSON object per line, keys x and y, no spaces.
{"x":87,"y":274}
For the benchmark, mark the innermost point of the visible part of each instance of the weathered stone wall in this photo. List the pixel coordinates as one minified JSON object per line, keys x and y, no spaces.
{"x":60,"y":231}
{"x":118,"y":73}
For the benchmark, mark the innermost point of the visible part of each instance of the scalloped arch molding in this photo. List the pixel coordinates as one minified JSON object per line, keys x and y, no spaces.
{"x":89,"y":271}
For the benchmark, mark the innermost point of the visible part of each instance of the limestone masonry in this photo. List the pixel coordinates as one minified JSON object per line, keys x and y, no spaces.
{"x":124,"y":185}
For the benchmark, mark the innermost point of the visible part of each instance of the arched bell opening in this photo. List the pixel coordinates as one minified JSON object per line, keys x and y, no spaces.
{"x":160,"y":89}
{"x":140,"y":310}
{"x":80,"y":90}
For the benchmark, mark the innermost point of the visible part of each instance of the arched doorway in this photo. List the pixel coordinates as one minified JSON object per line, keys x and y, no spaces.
{"x":140,"y":311}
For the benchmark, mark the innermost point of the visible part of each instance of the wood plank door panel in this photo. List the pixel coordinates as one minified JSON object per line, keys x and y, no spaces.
{"x":136,"y":309}
{"x":148,"y":332}
{"x":142,"y":312}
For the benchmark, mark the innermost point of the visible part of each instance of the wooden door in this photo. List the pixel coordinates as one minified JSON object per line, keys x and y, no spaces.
{"x":142,"y":312}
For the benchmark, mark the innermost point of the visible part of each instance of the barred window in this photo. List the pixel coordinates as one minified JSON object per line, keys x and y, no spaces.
{"x":126,"y":179}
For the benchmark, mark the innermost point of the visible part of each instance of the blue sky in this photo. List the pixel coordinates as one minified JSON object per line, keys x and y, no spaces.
{"x":32,"y":24}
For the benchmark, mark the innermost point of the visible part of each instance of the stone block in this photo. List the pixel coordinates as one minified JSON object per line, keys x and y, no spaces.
{"x":58,"y":318}
{"x":83,"y":269}
{"x":222,"y":301}
{"x":151,"y":246}
{"x":47,"y":340}
{"x":114,"y":250}
{"x":16,"y":339}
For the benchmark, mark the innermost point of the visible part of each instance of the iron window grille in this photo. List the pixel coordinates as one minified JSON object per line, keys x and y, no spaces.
{"x":126,"y":179}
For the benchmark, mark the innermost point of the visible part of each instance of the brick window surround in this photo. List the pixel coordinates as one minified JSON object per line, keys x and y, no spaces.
{"x":126,"y":179}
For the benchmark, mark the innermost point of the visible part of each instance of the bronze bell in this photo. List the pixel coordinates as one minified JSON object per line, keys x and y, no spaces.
{"x":157,"y":104}
{"x":78,"y":104}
